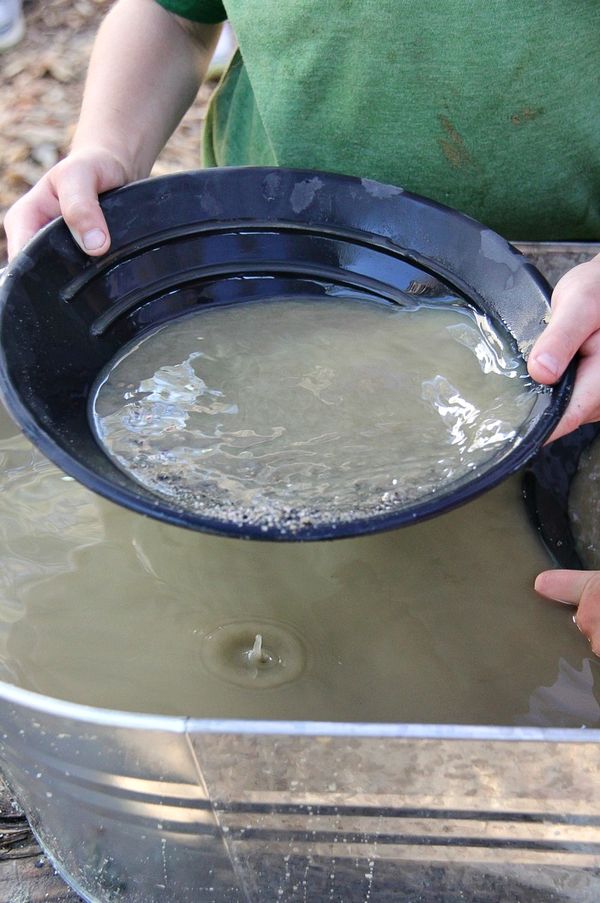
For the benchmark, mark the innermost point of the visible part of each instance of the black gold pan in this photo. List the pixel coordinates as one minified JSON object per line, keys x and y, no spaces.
{"x":229,"y":236}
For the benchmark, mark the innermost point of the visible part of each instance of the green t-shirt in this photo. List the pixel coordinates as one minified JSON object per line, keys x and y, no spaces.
{"x":490,"y":106}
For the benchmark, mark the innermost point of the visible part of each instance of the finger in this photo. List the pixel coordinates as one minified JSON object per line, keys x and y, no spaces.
{"x":21,"y":231}
{"x":584,"y":404}
{"x":575,"y":316}
{"x":77,"y":192}
{"x":25,"y":218}
{"x":562,"y":586}
{"x":588,"y":611}
{"x":580,"y":588}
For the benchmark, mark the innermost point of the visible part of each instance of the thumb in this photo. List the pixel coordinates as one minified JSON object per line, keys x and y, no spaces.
{"x":575,"y":317}
{"x":77,"y":192}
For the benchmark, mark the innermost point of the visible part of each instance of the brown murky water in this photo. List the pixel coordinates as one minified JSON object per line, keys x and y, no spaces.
{"x":432,"y":623}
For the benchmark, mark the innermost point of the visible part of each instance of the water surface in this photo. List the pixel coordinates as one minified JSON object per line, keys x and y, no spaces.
{"x":286,"y":412}
{"x":432,"y":623}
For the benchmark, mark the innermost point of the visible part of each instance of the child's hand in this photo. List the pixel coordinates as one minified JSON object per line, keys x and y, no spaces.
{"x":580,"y":588}
{"x":70,"y":189}
{"x":145,"y":70}
{"x":574,"y":327}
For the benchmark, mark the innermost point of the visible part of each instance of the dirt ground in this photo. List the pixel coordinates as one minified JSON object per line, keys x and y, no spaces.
{"x":41,"y":82}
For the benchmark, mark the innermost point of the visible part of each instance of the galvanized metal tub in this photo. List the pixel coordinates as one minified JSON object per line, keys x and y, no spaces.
{"x":140,"y":808}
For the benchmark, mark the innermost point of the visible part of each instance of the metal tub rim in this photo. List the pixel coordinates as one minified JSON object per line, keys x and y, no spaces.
{"x":181,"y":724}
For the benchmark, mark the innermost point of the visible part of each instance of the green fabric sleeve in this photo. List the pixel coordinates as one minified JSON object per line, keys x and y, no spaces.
{"x":207,"y":11}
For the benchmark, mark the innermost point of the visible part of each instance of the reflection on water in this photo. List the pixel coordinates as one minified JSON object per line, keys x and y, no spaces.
{"x":434,"y":623}
{"x":569,"y":701}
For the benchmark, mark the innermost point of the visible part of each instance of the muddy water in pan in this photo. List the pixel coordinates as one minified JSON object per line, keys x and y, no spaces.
{"x":282,"y":412}
{"x":432,"y":623}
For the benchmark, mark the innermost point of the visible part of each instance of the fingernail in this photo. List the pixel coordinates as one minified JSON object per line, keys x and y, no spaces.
{"x":549,"y":363}
{"x":93,"y":239}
